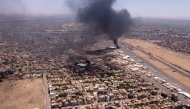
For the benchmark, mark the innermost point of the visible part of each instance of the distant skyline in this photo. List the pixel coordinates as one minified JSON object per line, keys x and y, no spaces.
{"x":169,"y":9}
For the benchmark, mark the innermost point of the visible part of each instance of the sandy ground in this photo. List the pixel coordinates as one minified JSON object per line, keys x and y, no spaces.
{"x":154,"y":62}
{"x":22,"y":94}
{"x":179,"y":77}
{"x":179,"y":59}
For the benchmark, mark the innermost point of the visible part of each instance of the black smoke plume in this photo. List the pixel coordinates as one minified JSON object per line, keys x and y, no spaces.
{"x":100,"y":12}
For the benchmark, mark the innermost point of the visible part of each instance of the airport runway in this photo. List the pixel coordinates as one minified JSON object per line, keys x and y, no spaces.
{"x":171,"y":67}
{"x":157,"y":72}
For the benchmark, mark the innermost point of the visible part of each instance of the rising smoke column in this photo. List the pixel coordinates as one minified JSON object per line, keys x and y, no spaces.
{"x":100,"y":12}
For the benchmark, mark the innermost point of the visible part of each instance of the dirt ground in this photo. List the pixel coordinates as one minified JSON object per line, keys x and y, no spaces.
{"x":154,"y":62}
{"x":179,"y":59}
{"x":22,"y":94}
{"x":179,"y":77}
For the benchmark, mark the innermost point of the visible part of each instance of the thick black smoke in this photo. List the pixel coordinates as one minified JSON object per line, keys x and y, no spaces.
{"x":100,"y":12}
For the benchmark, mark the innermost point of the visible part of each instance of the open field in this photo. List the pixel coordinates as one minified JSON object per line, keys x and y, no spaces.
{"x":22,"y":94}
{"x":163,"y":53}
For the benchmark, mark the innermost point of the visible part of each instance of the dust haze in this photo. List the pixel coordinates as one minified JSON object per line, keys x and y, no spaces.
{"x":12,"y":9}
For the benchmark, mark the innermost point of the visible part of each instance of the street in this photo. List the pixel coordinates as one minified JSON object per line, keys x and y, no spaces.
{"x":47,"y":104}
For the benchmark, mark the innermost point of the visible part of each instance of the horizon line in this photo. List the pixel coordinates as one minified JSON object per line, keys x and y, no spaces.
{"x":74,"y":16}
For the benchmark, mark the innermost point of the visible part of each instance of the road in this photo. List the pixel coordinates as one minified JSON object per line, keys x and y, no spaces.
{"x":47,"y":104}
{"x":160,"y":86}
{"x":154,"y":70}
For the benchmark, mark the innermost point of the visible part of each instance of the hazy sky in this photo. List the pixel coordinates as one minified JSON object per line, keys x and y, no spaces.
{"x":157,"y":8}
{"x":175,"y":9}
